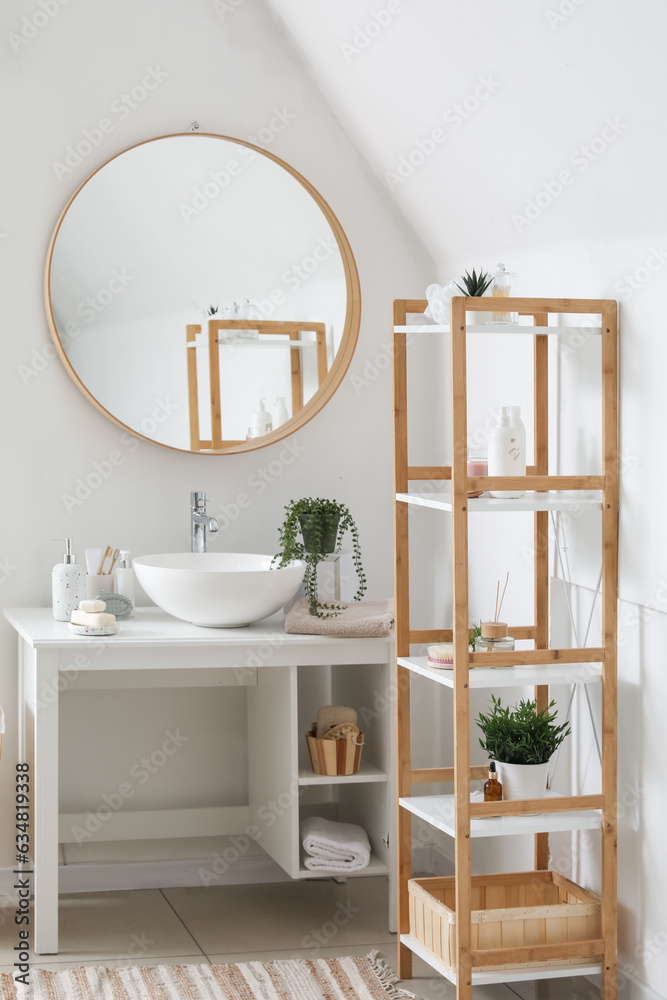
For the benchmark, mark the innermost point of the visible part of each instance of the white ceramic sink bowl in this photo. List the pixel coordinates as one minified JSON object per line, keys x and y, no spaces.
{"x":217,"y":589}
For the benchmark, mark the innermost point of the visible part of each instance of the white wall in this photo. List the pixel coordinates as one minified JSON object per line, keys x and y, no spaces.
{"x":549,"y":155}
{"x":233,"y":71}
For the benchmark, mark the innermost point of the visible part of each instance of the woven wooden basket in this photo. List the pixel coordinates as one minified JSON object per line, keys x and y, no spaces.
{"x":518,"y":910}
{"x":335,"y":757}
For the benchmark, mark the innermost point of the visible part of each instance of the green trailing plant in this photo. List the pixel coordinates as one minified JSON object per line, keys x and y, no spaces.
{"x":312,"y":529}
{"x":520,"y":735}
{"x":475,"y":284}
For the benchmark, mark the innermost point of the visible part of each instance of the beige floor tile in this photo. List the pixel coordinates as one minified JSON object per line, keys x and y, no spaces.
{"x":123,"y":926}
{"x":284,"y":916}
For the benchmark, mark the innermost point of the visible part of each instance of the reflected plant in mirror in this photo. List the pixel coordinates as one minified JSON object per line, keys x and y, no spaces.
{"x":165,"y":228}
{"x":322,"y":525}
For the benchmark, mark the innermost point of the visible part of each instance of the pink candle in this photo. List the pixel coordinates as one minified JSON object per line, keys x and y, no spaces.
{"x":478,"y":466}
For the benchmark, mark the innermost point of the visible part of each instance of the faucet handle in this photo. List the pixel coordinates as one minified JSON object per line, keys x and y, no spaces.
{"x":198,"y":500}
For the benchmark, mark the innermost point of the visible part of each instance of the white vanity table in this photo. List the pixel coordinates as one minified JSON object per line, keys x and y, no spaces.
{"x":287,"y":677}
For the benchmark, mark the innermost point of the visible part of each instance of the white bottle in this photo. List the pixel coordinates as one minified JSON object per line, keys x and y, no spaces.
{"x":125,"y":579}
{"x":506,"y":455}
{"x":260,"y":422}
{"x":517,"y":424}
{"x":68,"y":585}
{"x":281,"y":416}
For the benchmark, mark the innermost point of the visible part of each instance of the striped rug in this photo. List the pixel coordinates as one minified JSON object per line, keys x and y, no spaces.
{"x":298,"y":979}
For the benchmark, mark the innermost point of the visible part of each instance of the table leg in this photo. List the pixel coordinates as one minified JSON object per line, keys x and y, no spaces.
{"x":45,"y":799}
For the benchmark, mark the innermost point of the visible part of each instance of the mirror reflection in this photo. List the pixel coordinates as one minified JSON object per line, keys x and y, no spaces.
{"x":200,"y":293}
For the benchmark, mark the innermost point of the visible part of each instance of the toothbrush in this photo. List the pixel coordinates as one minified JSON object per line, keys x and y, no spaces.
{"x":107,"y":552}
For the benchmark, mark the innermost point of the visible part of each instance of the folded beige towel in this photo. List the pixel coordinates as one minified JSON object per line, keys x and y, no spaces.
{"x":357,"y":620}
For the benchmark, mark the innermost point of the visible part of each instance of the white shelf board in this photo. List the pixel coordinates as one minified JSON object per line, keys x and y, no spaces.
{"x":367,"y":772}
{"x":439,"y":811}
{"x":375,"y":867}
{"x":526,"y":974}
{"x":497,"y":677}
{"x":576,"y":500}
{"x":587,"y":331}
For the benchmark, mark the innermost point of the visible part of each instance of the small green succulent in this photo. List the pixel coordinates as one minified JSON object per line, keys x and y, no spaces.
{"x":475,"y":284}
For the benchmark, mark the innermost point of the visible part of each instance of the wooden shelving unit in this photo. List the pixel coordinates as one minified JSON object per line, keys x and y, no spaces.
{"x":456,"y":814}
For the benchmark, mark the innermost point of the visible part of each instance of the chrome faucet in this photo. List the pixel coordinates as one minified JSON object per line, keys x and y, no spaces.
{"x":199,"y":522}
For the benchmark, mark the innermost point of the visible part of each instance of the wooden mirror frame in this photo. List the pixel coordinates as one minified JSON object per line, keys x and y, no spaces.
{"x":341,"y":361}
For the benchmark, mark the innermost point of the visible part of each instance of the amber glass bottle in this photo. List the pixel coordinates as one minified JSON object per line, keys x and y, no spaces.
{"x":493,"y":790}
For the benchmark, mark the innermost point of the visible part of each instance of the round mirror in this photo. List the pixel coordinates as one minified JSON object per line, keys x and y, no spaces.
{"x":202,"y":294}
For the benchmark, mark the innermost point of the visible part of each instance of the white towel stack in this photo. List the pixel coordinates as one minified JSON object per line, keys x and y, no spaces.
{"x":334,"y":847}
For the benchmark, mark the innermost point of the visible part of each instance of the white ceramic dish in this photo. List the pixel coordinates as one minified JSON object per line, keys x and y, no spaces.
{"x":88,"y":630}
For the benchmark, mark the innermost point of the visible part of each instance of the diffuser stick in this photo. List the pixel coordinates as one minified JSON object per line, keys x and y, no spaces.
{"x":495,"y":616}
{"x":503,"y":597}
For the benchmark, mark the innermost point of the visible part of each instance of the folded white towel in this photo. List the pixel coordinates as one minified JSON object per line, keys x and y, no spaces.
{"x":335,"y":847}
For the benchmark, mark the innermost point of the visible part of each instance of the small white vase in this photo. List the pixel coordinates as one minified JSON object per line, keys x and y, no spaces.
{"x":523,"y":781}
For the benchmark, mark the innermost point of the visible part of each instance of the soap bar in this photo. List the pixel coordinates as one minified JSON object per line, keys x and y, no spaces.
{"x":94,"y":620}
{"x":92,"y":606}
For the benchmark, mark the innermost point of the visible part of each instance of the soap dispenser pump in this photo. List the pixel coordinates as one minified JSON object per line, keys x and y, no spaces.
{"x":68,"y":585}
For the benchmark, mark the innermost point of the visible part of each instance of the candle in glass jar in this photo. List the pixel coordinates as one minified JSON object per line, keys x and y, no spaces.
{"x":478,"y":465}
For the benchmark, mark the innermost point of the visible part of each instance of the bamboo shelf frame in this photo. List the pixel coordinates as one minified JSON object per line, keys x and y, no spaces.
{"x":537,"y":478}
{"x":265,"y":328}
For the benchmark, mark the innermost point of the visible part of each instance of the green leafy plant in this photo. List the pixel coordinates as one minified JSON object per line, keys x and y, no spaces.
{"x":475,"y":284}
{"x":520,"y":735}
{"x":474,"y":632}
{"x":322,"y":525}
{"x":211,"y":311}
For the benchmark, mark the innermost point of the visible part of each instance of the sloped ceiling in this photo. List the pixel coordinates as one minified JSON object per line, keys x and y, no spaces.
{"x":470,"y":112}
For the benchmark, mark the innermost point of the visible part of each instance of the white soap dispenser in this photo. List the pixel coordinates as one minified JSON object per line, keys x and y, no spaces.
{"x":125,"y":579}
{"x":260,"y":422}
{"x":506,"y":455}
{"x":281,"y":416}
{"x":68,"y":585}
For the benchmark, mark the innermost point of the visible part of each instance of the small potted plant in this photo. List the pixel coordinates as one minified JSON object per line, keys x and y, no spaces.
{"x":322,"y":525}
{"x":474,"y":286}
{"x":522,"y":743}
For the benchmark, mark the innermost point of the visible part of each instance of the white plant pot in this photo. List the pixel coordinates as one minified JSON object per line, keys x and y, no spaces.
{"x":523,"y":781}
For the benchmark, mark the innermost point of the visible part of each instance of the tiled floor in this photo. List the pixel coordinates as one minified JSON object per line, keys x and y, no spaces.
{"x":315,"y":919}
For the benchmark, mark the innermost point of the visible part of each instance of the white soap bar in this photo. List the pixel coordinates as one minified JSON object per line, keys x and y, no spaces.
{"x":98,"y":619}
{"x":92,"y":606}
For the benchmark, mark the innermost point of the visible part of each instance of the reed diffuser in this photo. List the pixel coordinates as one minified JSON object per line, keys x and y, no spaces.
{"x":494,"y":637}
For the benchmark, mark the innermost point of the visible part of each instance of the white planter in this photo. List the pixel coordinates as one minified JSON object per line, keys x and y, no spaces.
{"x":523,"y":781}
